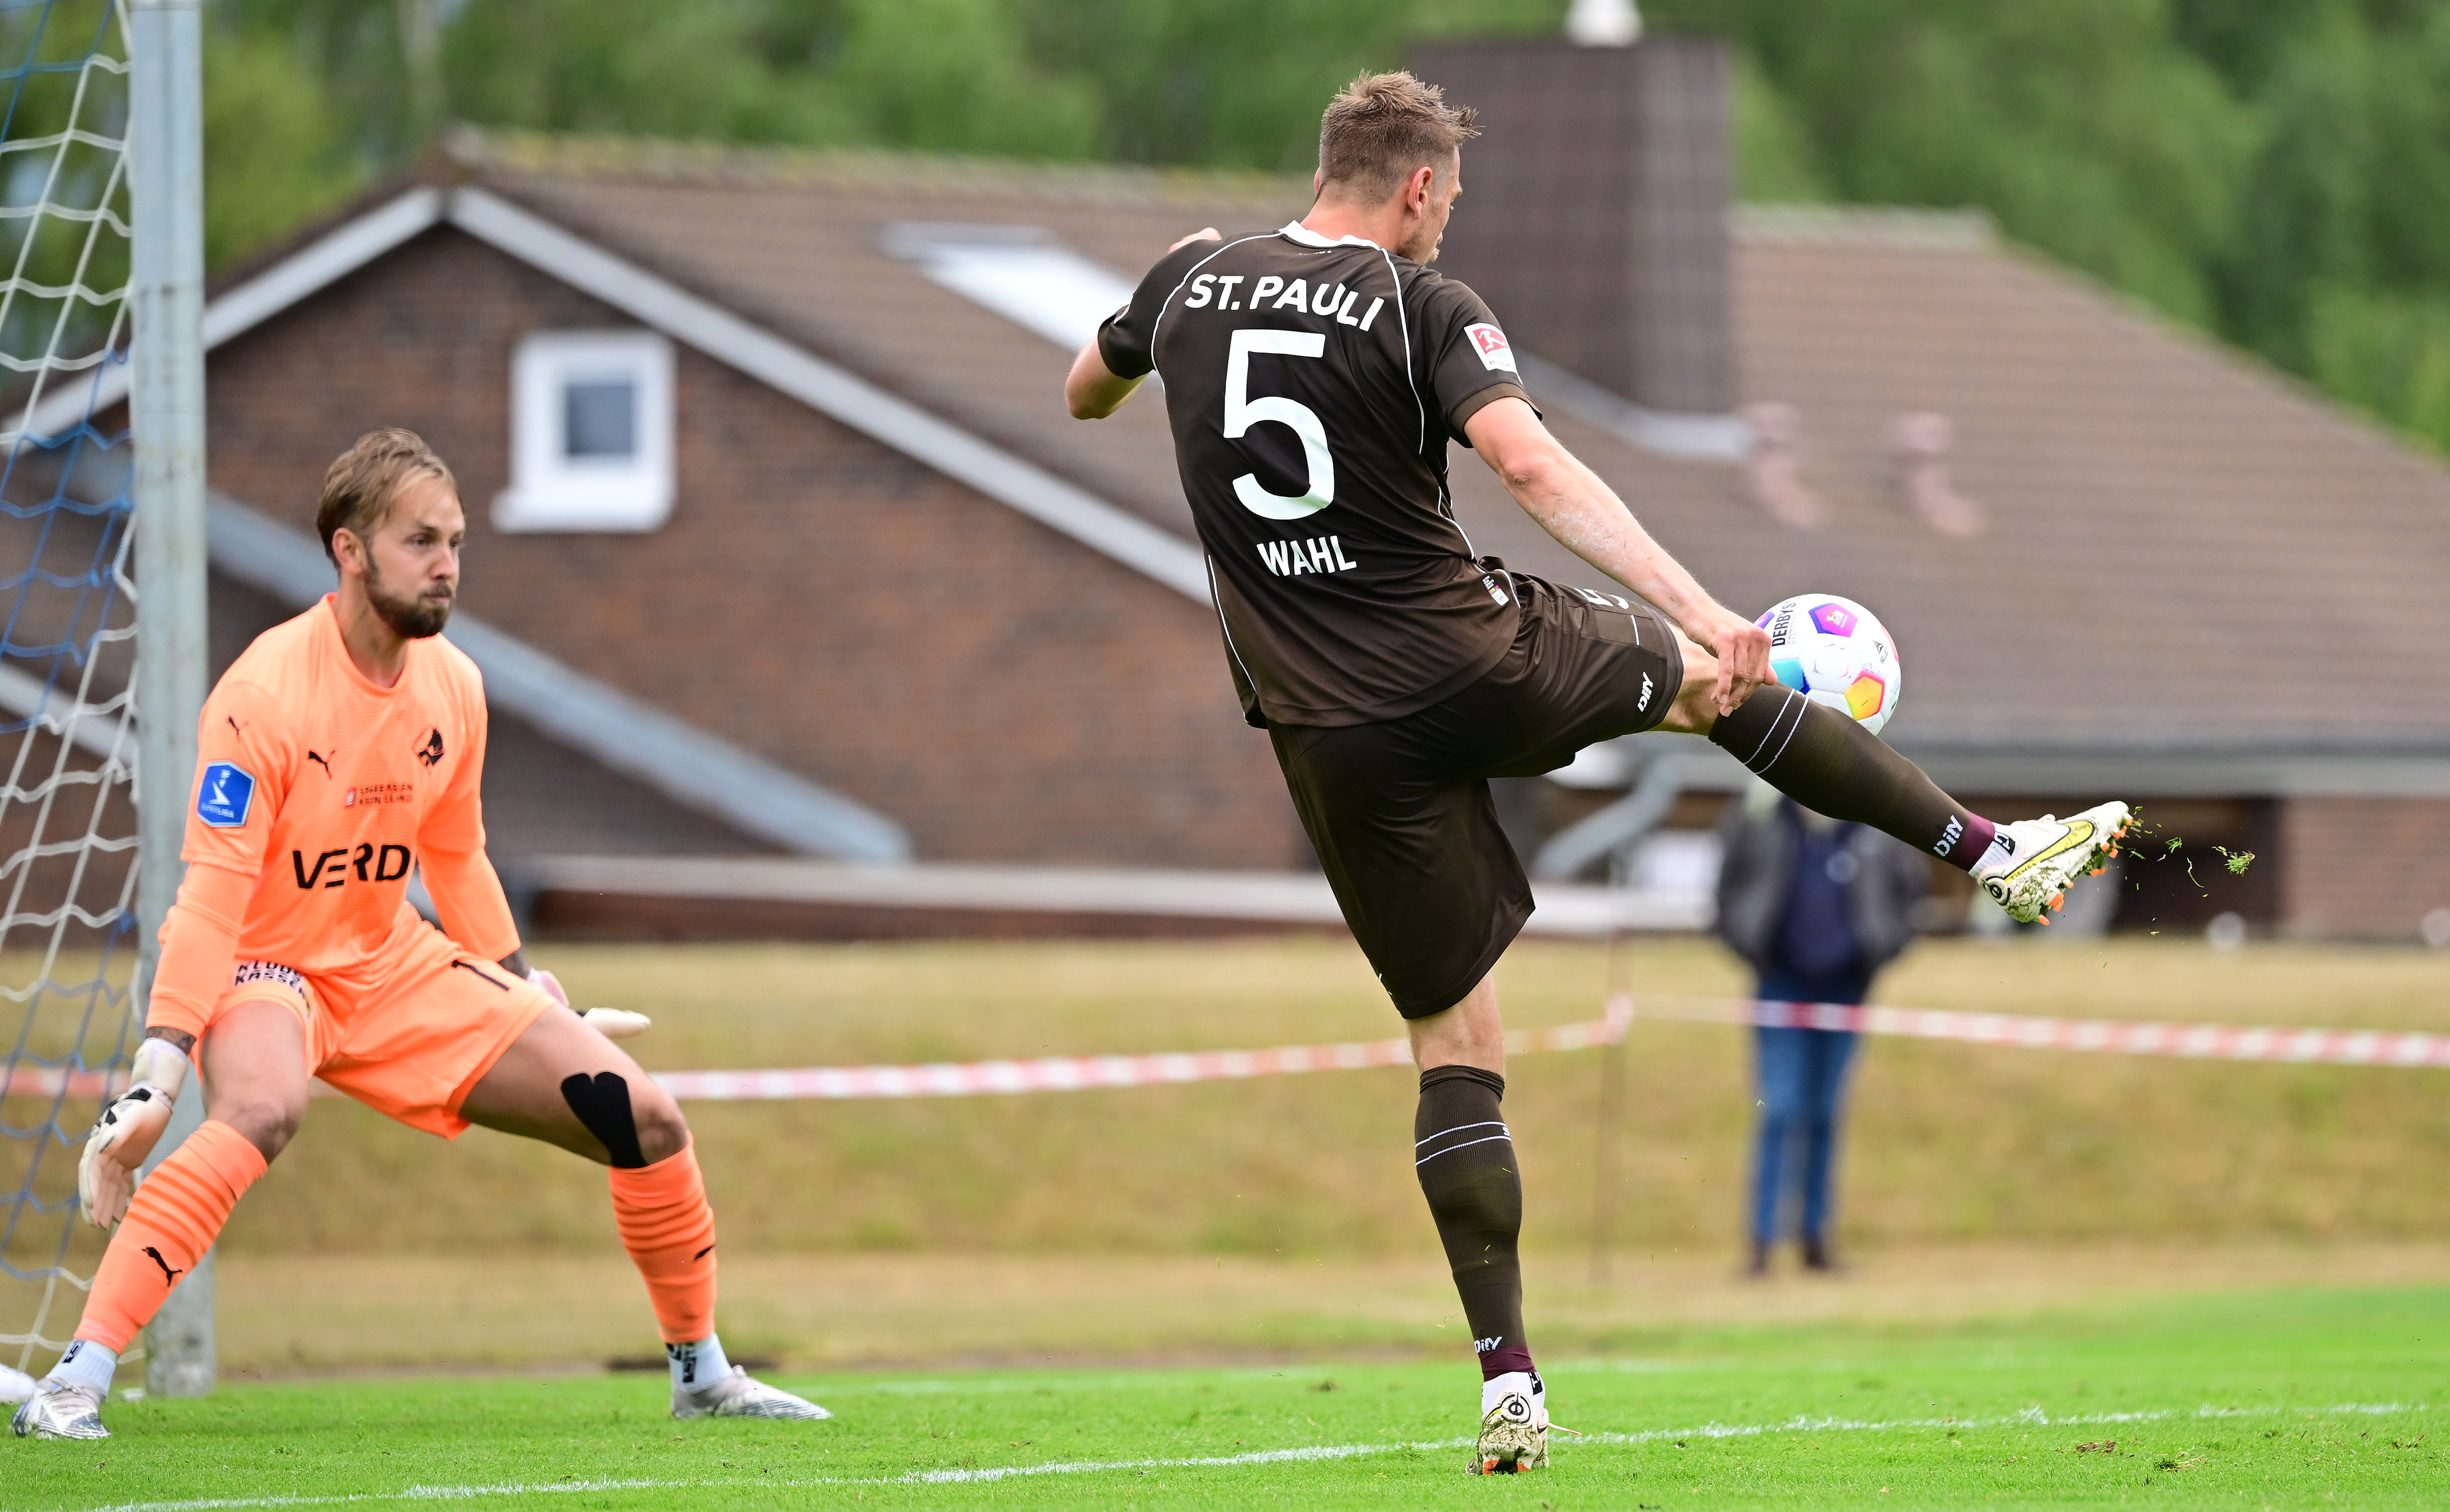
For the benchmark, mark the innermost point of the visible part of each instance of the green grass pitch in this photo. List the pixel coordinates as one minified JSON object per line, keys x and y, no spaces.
{"x":2282,"y":1400}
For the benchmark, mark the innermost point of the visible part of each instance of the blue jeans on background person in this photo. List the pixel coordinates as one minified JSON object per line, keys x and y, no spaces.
{"x":1800,"y":1075}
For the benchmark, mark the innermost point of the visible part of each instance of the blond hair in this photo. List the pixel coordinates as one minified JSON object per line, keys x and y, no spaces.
{"x":361,"y":483}
{"x":1382,"y":129}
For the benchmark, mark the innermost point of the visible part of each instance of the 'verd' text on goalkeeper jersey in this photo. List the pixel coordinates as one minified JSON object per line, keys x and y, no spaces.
{"x":326,"y":793}
{"x":1313,"y":387}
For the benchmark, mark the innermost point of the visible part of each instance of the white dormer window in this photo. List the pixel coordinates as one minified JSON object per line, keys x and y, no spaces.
{"x":1021,"y":272}
{"x":590,"y":432}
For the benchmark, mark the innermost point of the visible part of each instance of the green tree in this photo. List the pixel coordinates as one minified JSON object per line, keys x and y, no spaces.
{"x":957,"y":75}
{"x":2083,"y":125}
{"x":2276,"y":171}
{"x":276,"y":154}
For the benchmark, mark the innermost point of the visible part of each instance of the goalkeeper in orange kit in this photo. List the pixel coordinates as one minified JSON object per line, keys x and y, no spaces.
{"x":343,"y":752}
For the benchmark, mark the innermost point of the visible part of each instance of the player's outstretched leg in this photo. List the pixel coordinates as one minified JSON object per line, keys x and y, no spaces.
{"x":1833,"y":766}
{"x":1464,"y":1158}
{"x":254,"y":1066}
{"x":563,"y":1082}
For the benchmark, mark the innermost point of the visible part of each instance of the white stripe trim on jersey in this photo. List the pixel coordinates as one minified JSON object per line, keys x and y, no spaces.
{"x":1404,"y":327}
{"x":1158,"y":323}
{"x":1295,"y":231}
{"x":1218,"y":600}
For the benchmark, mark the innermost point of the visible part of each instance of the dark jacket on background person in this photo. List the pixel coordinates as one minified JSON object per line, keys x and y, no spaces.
{"x":1817,"y":909}
{"x":1757,"y":872}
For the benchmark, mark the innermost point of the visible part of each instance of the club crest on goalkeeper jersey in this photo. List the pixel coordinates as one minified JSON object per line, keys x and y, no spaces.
{"x":1313,"y":387}
{"x":331,"y":792}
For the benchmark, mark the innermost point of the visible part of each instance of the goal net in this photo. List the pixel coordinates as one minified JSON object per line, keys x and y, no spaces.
{"x":67,"y":641}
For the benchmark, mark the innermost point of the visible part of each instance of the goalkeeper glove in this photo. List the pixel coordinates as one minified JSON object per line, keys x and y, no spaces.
{"x":613,"y":1023}
{"x":127,"y":1131}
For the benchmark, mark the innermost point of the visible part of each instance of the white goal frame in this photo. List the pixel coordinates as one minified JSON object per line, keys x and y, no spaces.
{"x":166,"y":416}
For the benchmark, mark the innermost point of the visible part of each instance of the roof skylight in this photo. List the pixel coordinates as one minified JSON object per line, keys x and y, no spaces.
{"x":1021,"y":272}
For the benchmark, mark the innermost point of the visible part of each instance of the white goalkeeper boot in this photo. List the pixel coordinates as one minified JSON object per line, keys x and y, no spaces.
{"x":1513,"y":1425}
{"x":59,"y":1410}
{"x":2033,"y":863}
{"x":738,"y":1394}
{"x":127,"y":1131}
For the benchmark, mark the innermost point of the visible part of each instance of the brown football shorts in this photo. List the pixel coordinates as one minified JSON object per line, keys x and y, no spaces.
{"x":1399,"y":811}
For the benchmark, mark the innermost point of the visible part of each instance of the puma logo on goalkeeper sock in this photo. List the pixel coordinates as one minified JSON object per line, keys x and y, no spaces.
{"x":169,"y":1277}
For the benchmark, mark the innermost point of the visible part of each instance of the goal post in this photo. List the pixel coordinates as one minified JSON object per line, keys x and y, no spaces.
{"x":101,"y":612}
{"x":167,"y":416}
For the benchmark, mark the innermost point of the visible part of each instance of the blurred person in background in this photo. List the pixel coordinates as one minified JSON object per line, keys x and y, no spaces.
{"x":1816,"y":908}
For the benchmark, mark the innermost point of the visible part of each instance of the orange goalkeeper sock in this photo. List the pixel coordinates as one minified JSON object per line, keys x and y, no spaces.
{"x":669,"y":1231}
{"x":178,"y":1212}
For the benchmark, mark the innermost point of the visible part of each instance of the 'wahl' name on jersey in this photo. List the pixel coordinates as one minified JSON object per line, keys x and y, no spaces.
{"x":1313,"y":388}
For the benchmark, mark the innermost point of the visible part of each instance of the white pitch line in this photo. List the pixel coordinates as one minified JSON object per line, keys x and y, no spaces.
{"x":2030,"y":1418}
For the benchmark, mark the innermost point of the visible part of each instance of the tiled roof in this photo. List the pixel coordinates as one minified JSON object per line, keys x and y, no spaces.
{"x":2185,"y":551}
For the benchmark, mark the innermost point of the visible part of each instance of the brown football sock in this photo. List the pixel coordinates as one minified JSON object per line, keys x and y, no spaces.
{"x":1835,"y":767}
{"x":1465,"y":1162}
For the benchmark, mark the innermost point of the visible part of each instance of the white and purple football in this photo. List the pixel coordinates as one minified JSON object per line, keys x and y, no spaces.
{"x":1834,"y":651}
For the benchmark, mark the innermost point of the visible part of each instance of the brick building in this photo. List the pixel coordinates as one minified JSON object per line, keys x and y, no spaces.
{"x":864,"y":591}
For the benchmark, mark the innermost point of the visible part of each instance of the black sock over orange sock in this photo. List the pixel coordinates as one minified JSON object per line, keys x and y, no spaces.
{"x":1466,"y":1161}
{"x":1835,"y":767}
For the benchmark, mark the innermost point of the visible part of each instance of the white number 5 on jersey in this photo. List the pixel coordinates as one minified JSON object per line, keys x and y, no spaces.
{"x":1242,"y":411}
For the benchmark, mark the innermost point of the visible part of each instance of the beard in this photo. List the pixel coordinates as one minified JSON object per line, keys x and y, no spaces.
{"x":411,"y":617}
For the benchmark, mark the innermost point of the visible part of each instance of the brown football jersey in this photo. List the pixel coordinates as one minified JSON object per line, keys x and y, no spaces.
{"x":1313,"y":387}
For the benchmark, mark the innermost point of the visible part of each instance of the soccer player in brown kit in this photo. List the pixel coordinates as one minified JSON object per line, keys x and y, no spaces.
{"x":1314,"y":376}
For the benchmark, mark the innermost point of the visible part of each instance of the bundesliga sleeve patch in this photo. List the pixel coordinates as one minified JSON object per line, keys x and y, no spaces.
{"x":1490,"y":342}
{"x":225,"y":796}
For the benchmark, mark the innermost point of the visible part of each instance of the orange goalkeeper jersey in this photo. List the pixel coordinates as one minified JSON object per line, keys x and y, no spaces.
{"x":318,"y":795}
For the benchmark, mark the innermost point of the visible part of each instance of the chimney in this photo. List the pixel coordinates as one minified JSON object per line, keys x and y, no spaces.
{"x":1594,"y":215}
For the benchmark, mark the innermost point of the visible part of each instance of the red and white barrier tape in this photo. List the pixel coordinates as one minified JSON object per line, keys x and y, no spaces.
{"x":1081,"y":1072}
{"x":976,"y":1077}
{"x":2341,"y":1047}
{"x":2337,"y":1047}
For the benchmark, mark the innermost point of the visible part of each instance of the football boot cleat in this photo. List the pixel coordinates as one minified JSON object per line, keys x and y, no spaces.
{"x":2034,"y":861}
{"x":60,"y":1411}
{"x":742,"y":1395}
{"x":1513,"y":1425}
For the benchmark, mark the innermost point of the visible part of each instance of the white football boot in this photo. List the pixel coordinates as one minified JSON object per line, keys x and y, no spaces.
{"x":1513,"y":1425}
{"x":2034,"y":861}
{"x":60,"y":1411}
{"x":742,"y":1395}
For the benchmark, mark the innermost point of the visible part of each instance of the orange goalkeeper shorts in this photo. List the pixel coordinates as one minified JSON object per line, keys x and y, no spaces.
{"x":411,"y":1047}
